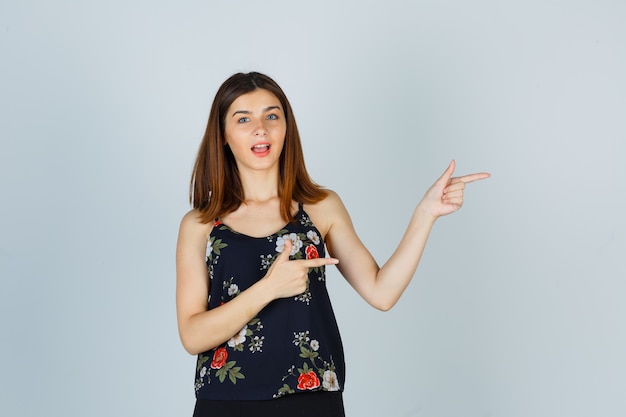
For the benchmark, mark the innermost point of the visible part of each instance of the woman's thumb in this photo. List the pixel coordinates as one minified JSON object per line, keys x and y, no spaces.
{"x":286,"y":249}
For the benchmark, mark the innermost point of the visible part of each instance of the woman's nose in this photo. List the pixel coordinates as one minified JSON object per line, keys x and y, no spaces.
{"x":259,"y":129}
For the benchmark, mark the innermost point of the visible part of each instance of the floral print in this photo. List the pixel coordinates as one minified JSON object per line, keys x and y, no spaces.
{"x":230,"y":368}
{"x":295,"y":239}
{"x":311,"y":252}
{"x":237,"y":340}
{"x":330,"y":382}
{"x":213,"y":251}
{"x":214,"y":246}
{"x":308,"y":380}
{"x":219,"y":358}
{"x":299,"y":240}
{"x":308,"y":376}
{"x":315,"y":345}
{"x":256,"y":342}
{"x":313,"y":237}
{"x":266,"y":261}
{"x":233,"y":289}
{"x":301,"y":338}
{"x":219,"y":361}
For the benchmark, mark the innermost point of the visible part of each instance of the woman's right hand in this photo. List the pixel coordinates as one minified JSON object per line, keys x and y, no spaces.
{"x":289,"y":278}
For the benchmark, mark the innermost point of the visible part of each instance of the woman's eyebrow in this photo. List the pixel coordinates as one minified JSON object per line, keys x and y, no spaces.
{"x":249,"y":112}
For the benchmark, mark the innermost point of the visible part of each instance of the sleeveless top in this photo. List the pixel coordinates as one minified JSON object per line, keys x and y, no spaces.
{"x":292,"y":345}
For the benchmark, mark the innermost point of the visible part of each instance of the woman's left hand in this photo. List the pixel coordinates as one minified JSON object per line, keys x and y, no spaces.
{"x":445,"y":196}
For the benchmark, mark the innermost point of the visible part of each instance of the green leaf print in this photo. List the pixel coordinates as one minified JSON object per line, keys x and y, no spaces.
{"x":224,"y":370}
{"x":231,"y":371}
{"x":202,"y":359}
{"x":285,"y":389}
{"x":234,"y":374}
{"x":307,"y":353}
{"x":221,"y":374}
{"x":305,"y":368}
{"x":217,"y":245}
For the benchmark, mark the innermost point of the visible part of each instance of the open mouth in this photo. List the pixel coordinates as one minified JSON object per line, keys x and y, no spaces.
{"x":261,"y":147}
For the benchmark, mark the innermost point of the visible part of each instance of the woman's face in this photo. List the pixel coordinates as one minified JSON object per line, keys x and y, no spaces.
{"x":255,"y":129}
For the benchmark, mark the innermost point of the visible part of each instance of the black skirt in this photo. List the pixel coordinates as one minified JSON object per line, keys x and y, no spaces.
{"x":310,"y":404}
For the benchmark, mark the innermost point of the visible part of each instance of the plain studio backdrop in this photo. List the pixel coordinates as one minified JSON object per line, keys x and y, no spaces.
{"x":517,"y":309}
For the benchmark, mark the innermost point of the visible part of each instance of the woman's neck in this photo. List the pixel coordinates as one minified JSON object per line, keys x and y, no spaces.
{"x":259,"y":186}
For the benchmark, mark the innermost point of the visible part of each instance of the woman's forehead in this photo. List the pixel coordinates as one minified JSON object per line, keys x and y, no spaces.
{"x":258,"y":98}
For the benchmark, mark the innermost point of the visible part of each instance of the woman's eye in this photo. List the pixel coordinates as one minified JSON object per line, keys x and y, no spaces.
{"x":243,"y":120}
{"x":271,"y":117}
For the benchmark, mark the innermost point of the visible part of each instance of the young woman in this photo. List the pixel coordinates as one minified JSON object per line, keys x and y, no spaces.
{"x":251,"y":297}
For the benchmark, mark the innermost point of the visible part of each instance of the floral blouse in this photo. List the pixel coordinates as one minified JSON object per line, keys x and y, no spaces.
{"x":293,"y":345}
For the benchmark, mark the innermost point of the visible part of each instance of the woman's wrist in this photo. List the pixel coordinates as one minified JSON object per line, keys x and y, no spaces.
{"x":423,"y":216}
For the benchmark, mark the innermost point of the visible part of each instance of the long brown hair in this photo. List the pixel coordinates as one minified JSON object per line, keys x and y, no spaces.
{"x":216,"y":188}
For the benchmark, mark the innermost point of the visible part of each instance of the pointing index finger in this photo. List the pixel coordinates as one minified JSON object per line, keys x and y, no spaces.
{"x":317,"y":262}
{"x":472,"y":177}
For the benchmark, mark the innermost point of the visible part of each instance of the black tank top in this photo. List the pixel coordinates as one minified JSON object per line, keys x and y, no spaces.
{"x":293,"y":345}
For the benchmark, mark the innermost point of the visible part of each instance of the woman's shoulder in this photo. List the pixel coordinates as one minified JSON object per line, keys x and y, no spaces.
{"x":331,"y":199}
{"x":326,"y":211}
{"x":329,"y":202}
{"x":192,"y":227}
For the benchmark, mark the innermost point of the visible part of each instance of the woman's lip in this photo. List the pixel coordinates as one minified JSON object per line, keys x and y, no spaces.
{"x":261,"y":149}
{"x":260,"y":146}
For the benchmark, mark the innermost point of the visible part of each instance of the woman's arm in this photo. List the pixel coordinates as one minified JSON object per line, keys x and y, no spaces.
{"x":201,"y":329}
{"x":382,"y":286}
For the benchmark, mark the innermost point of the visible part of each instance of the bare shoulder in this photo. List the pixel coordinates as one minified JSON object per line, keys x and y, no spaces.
{"x":326,"y":212}
{"x":192,"y":230}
